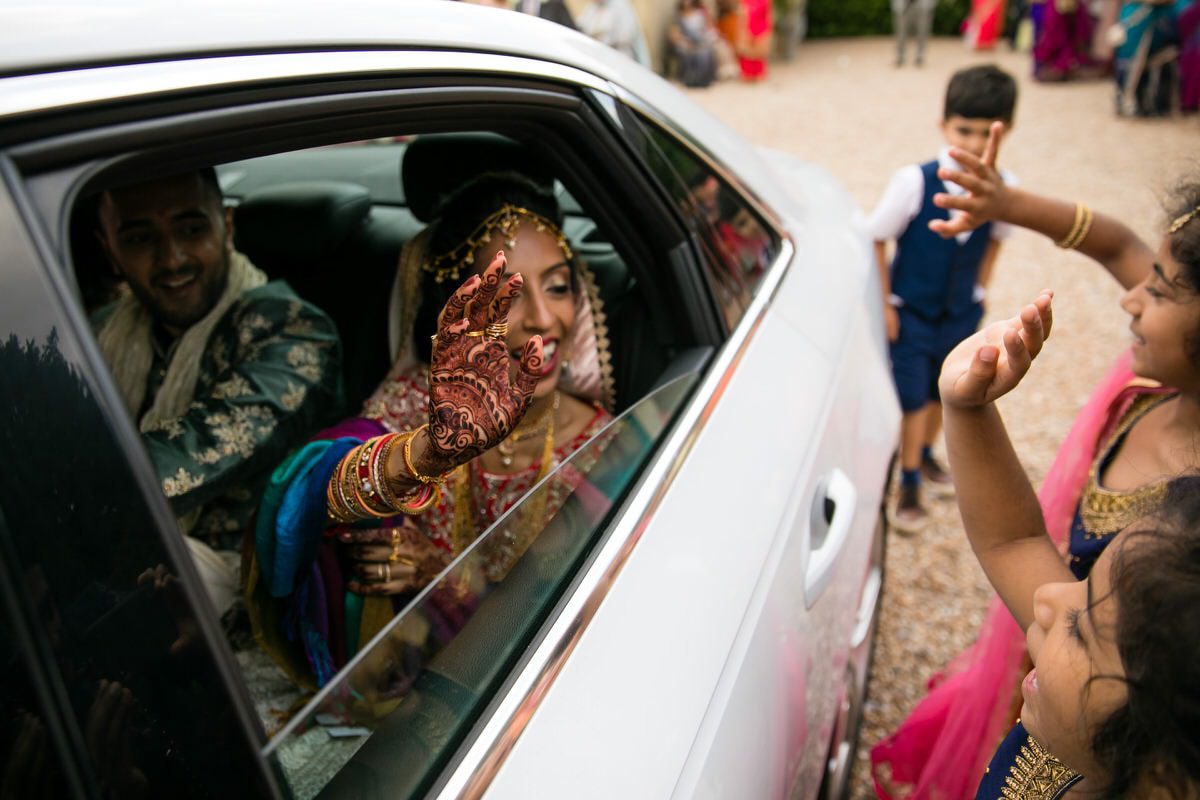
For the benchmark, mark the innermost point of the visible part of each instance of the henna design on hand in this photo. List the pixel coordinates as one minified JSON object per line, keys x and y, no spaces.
{"x":472,"y":403}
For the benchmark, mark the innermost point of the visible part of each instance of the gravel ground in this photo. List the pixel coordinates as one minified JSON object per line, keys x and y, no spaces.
{"x":842,"y":104}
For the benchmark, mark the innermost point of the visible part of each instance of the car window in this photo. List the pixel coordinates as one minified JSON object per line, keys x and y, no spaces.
{"x":106,"y":598}
{"x":386,"y":725}
{"x":736,"y":244}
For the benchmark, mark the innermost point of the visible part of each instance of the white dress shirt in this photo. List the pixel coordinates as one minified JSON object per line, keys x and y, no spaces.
{"x":901,"y":201}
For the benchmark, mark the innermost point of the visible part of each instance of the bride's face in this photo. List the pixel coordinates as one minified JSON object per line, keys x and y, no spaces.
{"x":546,"y":306}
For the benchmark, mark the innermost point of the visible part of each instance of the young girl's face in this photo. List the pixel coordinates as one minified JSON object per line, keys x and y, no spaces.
{"x":1165,"y":318}
{"x":1077,"y":679}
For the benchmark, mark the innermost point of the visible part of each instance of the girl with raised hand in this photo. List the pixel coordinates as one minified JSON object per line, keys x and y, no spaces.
{"x":1140,"y":429}
{"x":1111,"y":707}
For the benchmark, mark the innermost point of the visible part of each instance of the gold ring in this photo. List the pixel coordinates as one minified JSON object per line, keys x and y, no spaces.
{"x":497,"y":330}
{"x":395,"y":556}
{"x":473,"y":333}
{"x":387,"y":570}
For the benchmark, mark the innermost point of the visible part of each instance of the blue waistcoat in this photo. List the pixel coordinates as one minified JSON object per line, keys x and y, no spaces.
{"x":936,"y":277}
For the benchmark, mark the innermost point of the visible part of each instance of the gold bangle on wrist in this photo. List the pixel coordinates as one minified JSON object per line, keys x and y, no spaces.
{"x":408,"y":464}
{"x":1079,"y":228}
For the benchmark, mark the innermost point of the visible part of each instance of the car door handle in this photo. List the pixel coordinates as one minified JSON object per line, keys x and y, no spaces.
{"x":832,"y":514}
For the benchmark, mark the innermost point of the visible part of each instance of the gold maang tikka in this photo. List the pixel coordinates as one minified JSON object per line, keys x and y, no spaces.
{"x":506,"y":220}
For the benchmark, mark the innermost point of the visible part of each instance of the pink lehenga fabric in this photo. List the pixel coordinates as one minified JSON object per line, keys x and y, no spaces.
{"x":941,"y":749}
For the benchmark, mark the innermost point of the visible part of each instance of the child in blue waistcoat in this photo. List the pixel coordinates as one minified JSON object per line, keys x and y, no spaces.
{"x":933,"y":288}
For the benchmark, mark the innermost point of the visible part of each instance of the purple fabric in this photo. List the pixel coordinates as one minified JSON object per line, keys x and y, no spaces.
{"x":357,"y":427}
{"x":1189,"y":57}
{"x":1065,"y":41}
{"x":335,"y":586}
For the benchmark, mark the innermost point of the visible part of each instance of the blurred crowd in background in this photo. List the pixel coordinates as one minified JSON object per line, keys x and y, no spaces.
{"x":1149,"y":48}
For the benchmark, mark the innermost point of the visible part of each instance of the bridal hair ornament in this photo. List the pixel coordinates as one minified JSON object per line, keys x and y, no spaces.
{"x":1181,"y":220}
{"x":506,"y":220}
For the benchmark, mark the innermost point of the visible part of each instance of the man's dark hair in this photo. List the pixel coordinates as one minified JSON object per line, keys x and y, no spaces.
{"x":984,"y":92}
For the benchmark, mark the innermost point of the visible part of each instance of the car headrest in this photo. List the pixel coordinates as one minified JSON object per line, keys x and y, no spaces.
{"x":435,"y":164}
{"x":299,"y":223}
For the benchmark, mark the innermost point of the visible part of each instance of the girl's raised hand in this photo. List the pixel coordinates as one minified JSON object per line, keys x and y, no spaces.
{"x":991,"y":362}
{"x":986,"y":196}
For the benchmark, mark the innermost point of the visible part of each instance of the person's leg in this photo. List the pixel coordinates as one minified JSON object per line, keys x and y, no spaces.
{"x":913,"y":370}
{"x":900,"y":27}
{"x":924,"y":23}
{"x":933,"y":473}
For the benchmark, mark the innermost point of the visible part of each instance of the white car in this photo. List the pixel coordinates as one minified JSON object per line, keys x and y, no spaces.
{"x":708,"y":636}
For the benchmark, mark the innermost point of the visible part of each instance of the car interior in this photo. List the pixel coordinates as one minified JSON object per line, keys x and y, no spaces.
{"x":316,"y":217}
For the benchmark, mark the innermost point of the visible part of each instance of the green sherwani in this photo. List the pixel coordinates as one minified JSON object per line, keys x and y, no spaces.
{"x":270,"y":376}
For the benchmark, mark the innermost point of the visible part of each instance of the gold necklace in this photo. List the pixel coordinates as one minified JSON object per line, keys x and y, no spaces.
{"x":507,"y":448}
{"x":529,"y":520}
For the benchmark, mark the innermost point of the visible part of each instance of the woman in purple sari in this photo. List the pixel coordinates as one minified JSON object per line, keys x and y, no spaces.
{"x":1064,"y":45}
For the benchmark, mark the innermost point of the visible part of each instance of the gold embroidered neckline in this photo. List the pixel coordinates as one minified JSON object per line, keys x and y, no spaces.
{"x":1105,"y":511}
{"x":1036,"y":774}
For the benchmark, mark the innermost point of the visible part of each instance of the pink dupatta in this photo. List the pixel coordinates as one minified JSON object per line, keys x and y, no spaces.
{"x":941,"y":749}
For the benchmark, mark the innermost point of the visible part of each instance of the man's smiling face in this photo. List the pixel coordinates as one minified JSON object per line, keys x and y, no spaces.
{"x":171,"y":240}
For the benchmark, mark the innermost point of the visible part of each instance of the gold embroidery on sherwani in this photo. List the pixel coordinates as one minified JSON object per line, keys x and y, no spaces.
{"x":1036,"y":775}
{"x":1105,"y":512}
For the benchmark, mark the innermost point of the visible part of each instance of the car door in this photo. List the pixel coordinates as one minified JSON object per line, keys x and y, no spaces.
{"x":114,"y":684}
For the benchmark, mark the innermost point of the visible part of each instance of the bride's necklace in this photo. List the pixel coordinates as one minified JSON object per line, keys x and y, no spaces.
{"x":507,"y":448}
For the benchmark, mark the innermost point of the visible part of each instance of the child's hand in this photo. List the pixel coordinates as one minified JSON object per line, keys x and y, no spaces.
{"x":990,"y":363}
{"x":986,"y":196}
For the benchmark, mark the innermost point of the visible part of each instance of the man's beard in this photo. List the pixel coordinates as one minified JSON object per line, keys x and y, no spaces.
{"x":212,"y":283}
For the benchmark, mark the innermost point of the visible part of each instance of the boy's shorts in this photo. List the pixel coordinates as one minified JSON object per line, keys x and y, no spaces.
{"x":918,"y":353}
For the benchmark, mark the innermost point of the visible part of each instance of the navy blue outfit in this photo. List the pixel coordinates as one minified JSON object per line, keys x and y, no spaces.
{"x":936,"y":279}
{"x":1023,"y":768}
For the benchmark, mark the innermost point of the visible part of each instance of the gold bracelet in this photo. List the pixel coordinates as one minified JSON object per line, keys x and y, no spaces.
{"x":1076,"y":226}
{"x":408,"y":464}
{"x":1083,"y":230}
{"x":423,"y":498}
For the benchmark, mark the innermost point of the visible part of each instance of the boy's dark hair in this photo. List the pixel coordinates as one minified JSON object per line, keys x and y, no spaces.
{"x":1153,"y":740}
{"x":983,"y":92}
{"x":458,"y":215}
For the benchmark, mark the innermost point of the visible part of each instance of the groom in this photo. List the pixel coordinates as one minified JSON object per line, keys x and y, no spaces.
{"x":222,"y":371}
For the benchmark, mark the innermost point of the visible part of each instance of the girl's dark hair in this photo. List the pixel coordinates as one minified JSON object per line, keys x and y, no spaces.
{"x":1184,"y":244}
{"x":1153,"y":740}
{"x":458,"y":215}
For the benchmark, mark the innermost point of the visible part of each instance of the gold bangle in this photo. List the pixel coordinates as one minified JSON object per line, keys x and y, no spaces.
{"x":433,"y":495}
{"x":1084,"y":229}
{"x":1080,"y":212}
{"x":408,"y":464}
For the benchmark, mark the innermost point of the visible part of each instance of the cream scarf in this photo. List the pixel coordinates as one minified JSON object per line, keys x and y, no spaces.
{"x":126,"y":346}
{"x":125,"y":343}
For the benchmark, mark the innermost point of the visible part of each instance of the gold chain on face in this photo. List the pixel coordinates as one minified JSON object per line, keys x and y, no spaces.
{"x":506,"y":220}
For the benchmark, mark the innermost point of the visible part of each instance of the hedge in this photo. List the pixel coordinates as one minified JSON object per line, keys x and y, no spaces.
{"x":828,"y":18}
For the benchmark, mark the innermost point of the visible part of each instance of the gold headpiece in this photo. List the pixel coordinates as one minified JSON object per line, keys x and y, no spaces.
{"x":506,"y":220}
{"x":1181,"y":220}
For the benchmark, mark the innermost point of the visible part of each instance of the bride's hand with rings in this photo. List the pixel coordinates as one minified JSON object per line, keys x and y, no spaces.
{"x":473,"y":405}
{"x":391,"y":560}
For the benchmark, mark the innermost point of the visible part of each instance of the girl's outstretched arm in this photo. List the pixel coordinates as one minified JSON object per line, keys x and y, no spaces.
{"x":1106,"y":240}
{"x":1000,"y":511}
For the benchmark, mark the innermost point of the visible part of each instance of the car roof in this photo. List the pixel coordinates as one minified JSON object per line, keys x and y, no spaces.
{"x":52,"y":36}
